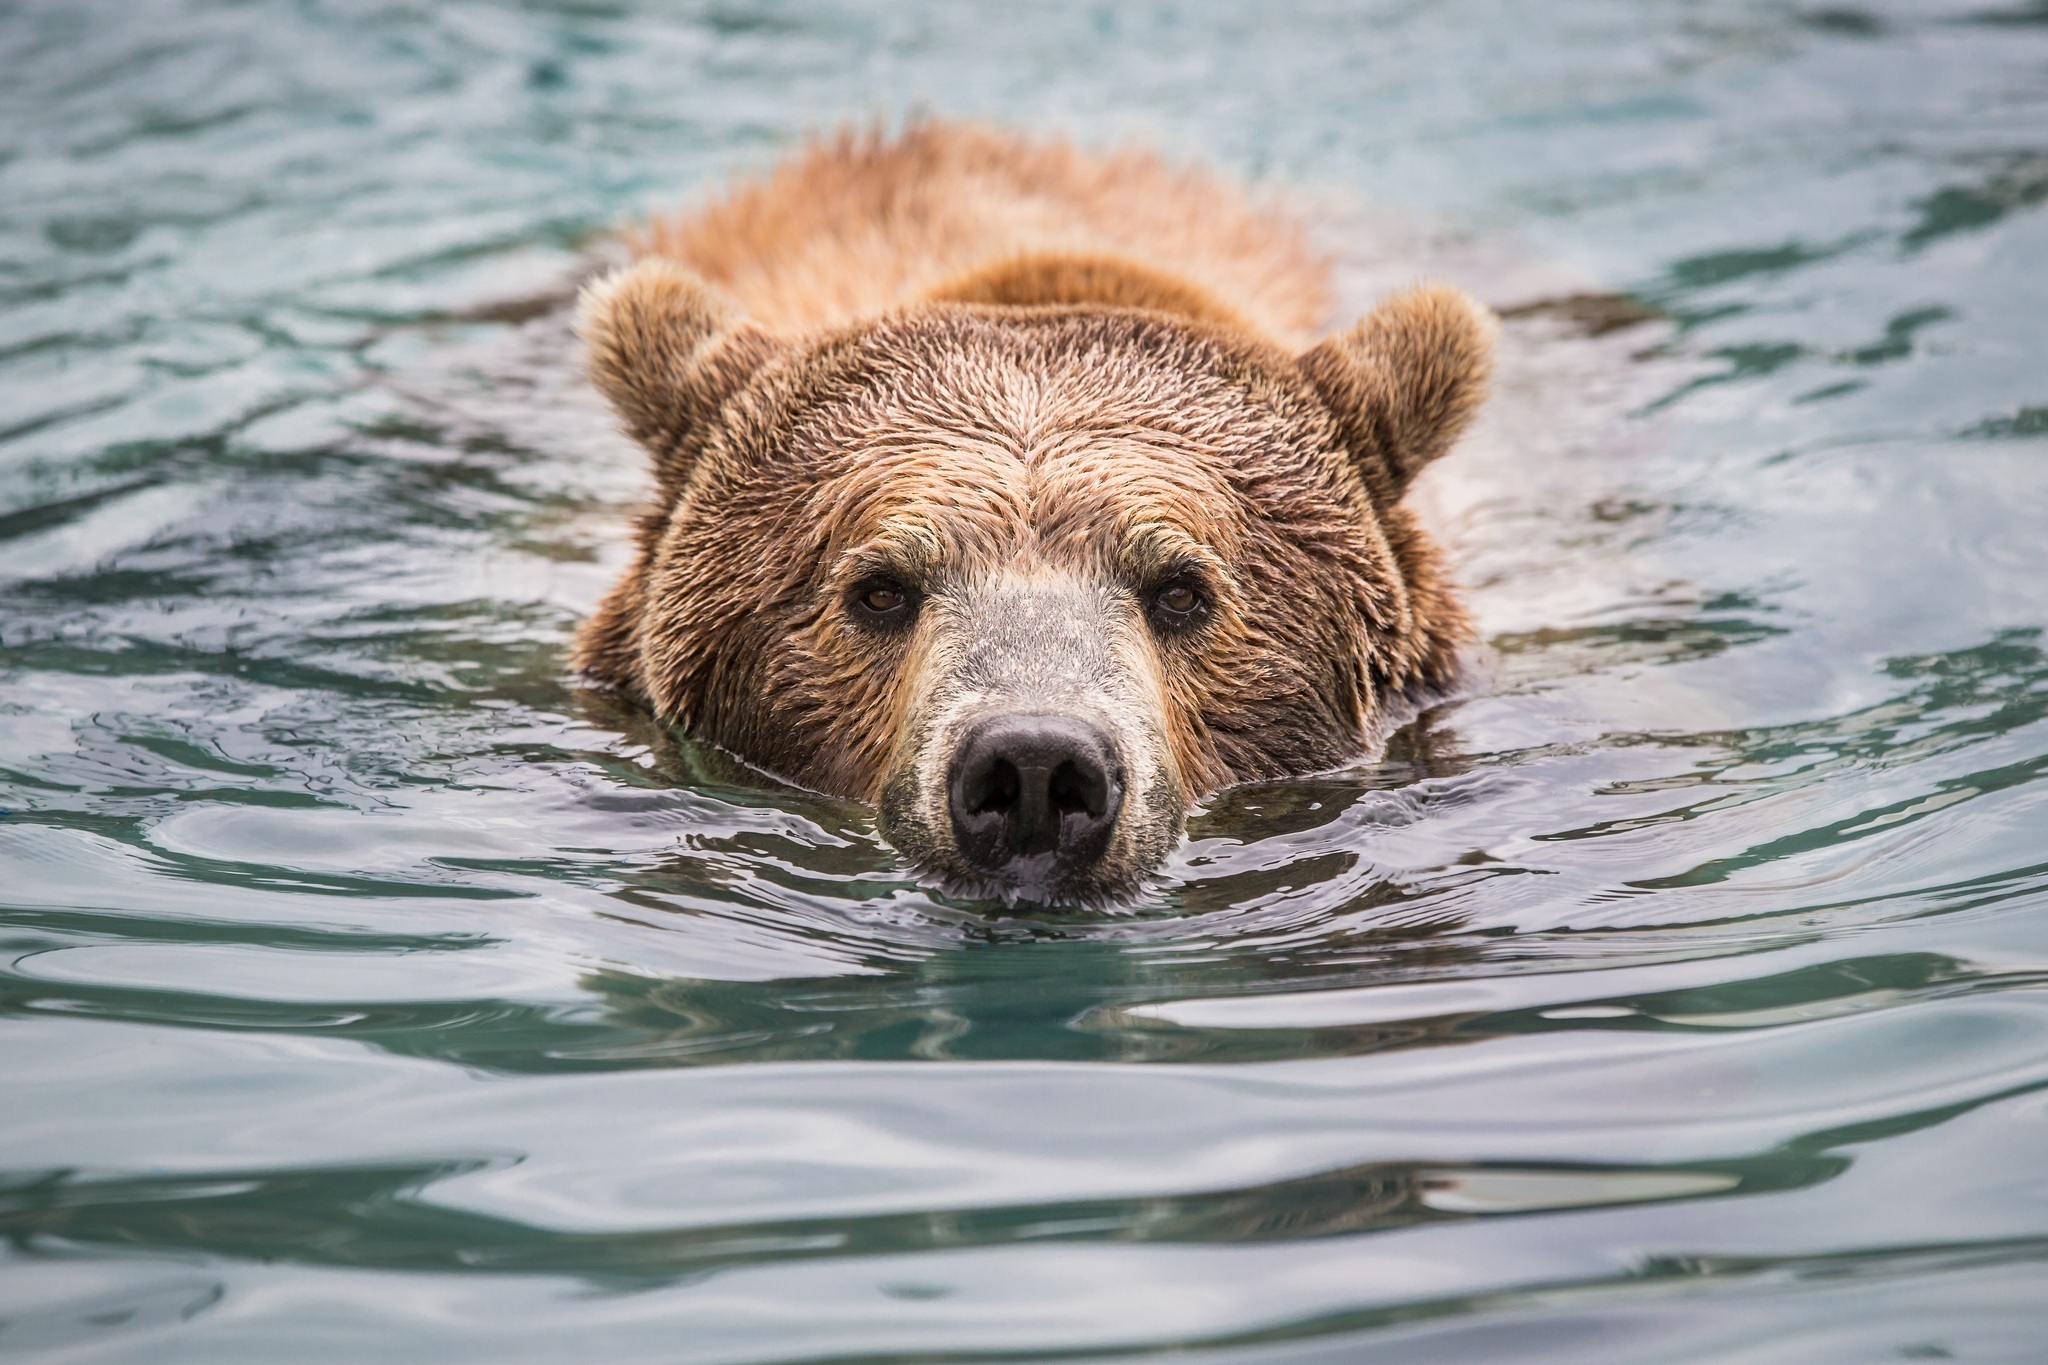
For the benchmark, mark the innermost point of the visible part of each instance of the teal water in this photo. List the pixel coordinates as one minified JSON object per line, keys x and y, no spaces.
{"x":371,"y":993}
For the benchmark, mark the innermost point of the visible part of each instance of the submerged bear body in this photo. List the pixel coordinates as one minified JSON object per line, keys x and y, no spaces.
{"x":1007,"y":489}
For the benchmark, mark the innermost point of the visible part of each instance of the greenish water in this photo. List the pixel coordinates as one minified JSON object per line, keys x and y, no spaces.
{"x":369,"y":993}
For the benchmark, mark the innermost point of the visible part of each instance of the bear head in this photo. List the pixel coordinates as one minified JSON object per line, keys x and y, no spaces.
{"x":1030,"y":577}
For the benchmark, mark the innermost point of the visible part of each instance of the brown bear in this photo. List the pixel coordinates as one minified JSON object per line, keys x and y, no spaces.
{"x":1006,"y":487}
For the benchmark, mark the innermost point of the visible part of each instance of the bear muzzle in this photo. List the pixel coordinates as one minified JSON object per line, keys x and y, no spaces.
{"x":1033,"y":767}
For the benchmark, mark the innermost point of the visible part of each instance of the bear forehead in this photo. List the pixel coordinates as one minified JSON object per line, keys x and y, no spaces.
{"x":1024,"y":374}
{"x":976,"y":428}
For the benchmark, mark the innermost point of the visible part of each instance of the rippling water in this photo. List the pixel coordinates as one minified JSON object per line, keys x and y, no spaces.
{"x":372,"y":993}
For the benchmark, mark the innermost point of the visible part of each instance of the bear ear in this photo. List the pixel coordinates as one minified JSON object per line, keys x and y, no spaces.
{"x":1405,"y":383}
{"x":666,"y":351}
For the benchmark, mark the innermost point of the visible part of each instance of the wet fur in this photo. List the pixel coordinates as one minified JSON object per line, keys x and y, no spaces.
{"x":1035,"y":384}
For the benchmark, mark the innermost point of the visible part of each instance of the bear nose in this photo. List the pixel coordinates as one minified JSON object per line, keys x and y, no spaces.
{"x":1023,"y":786}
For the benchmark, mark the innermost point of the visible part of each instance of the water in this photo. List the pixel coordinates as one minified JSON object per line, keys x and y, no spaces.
{"x":371,"y":993}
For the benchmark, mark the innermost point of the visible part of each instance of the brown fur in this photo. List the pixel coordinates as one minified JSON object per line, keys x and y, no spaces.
{"x":1034,"y":384}
{"x":855,"y":226}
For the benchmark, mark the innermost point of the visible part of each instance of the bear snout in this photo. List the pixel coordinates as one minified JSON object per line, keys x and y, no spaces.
{"x":1034,"y":796}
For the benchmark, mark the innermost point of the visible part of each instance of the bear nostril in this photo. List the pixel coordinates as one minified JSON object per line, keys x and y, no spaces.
{"x":1027,"y":786}
{"x":998,"y":789}
{"x":1072,"y":790}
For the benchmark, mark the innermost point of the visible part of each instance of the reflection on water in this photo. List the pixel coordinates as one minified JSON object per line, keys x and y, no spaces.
{"x":372,"y":992}
{"x":362,"y":1216}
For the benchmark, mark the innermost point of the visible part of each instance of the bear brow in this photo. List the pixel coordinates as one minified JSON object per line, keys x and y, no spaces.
{"x":902,"y":547}
{"x":1151,"y":550}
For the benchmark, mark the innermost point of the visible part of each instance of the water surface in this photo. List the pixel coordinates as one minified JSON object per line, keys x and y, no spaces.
{"x":370,"y":992}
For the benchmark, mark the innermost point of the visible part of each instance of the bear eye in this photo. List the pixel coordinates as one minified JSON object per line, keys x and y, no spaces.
{"x":881,"y":601}
{"x":1178,"y":606}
